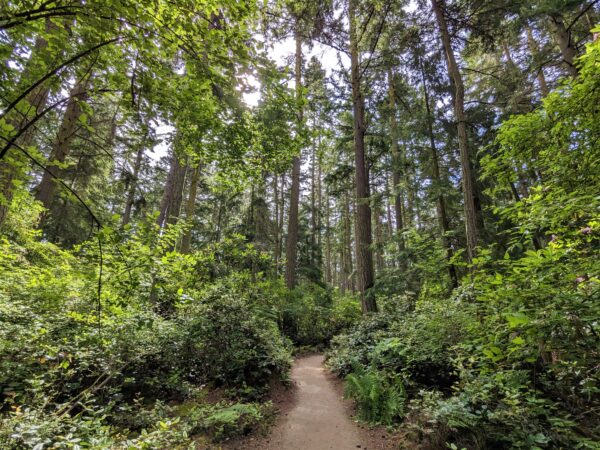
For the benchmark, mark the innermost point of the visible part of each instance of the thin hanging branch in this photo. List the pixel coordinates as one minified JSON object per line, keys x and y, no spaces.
{"x":54,"y":72}
{"x":95,"y":221}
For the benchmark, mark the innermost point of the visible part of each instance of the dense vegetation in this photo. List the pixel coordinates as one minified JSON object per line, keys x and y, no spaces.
{"x":416,"y":190}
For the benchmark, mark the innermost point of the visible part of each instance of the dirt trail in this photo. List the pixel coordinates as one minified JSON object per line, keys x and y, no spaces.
{"x":318,"y":420}
{"x":315,"y":417}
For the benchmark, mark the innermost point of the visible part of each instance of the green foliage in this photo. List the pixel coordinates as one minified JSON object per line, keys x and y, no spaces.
{"x":225,"y":421}
{"x":230,"y":342}
{"x":424,"y":272}
{"x":510,"y":359}
{"x":75,"y":369}
{"x":112,"y":338}
{"x":379,"y":396}
{"x":417,"y":343}
{"x":357,"y":345}
{"x":560,"y":141}
{"x":312,"y":315}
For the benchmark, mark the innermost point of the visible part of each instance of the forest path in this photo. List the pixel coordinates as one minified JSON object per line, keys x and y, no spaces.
{"x":315,"y":417}
{"x":318,"y":420}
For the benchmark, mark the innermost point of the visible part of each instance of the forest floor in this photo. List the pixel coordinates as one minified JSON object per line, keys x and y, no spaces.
{"x":314,"y":416}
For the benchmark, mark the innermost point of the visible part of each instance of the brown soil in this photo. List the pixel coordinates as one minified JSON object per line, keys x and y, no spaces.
{"x":314,"y":416}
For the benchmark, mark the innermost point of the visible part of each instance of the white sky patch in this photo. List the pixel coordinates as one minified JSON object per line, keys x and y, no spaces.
{"x":283,"y":52}
{"x":252,"y":98}
{"x":163,"y":132}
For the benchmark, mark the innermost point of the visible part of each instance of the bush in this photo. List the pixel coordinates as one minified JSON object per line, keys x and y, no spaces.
{"x":226,"y":421}
{"x":312,"y":315}
{"x":417,"y":343}
{"x":76,"y":370}
{"x":379,"y":396}
{"x":228,"y":340}
{"x":356,"y":347}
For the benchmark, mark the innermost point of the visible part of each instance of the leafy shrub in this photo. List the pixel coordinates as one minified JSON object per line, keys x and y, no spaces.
{"x":418,"y":343}
{"x":76,"y":370}
{"x":510,"y":360}
{"x":379,"y":396}
{"x":356,"y":347}
{"x":230,"y":342}
{"x":312,"y":315}
{"x":225,"y":421}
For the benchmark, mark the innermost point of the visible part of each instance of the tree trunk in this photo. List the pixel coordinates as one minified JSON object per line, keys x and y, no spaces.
{"x":364,"y":254}
{"x":410,"y":213}
{"x":313,"y":206}
{"x":565,"y":43}
{"x":62,"y":145}
{"x":319,"y":224}
{"x":281,"y":217}
{"x":388,"y":214}
{"x":396,"y":163}
{"x":14,"y":164}
{"x":190,"y":207}
{"x":177,"y":199}
{"x":328,"y":262}
{"x":347,"y":266}
{"x":137,"y":165}
{"x":173,"y":193}
{"x":276,"y":246}
{"x":468,"y":187}
{"x":535,"y":51}
{"x":292,"y":238}
{"x":379,"y":259}
{"x":442,"y":215}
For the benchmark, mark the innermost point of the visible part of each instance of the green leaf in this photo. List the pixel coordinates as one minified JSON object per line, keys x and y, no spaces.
{"x":518,"y":340}
{"x":517,"y":319}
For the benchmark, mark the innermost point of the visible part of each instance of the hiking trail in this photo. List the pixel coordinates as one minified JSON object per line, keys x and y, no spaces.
{"x":318,"y":418}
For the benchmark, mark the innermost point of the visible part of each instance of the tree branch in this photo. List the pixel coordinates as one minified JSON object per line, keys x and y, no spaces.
{"x":54,"y":72}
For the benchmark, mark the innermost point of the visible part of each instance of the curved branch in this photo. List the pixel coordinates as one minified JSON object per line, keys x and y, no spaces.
{"x":16,"y":23}
{"x":12,"y":141}
{"x":54,"y":72}
{"x":62,"y":183}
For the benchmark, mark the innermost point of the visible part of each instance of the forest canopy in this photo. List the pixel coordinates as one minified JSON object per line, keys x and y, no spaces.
{"x":194,"y":191}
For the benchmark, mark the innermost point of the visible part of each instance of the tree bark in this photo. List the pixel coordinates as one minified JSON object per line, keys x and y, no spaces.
{"x":346,"y":263}
{"x":379,"y":257}
{"x":328,"y":262}
{"x":565,"y":42}
{"x":388,"y":211}
{"x":190,"y":207}
{"x":292,"y":238}
{"x":281,"y":219}
{"x":173,"y":193}
{"x":535,"y":51}
{"x":319,"y":222}
{"x":364,"y":254}
{"x":313,"y":205}
{"x":468,"y":185}
{"x":276,"y":246}
{"x":177,"y":199}
{"x":62,"y":144}
{"x":410,"y":211}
